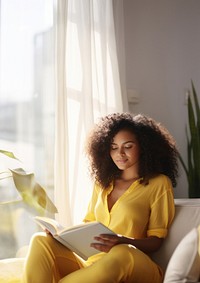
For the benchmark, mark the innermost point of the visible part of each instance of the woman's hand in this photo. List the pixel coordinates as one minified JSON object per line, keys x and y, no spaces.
{"x":105,"y":242}
{"x":147,"y":245}
{"x":47,"y":232}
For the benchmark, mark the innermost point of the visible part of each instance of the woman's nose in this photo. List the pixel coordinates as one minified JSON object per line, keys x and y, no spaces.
{"x":121,"y":151}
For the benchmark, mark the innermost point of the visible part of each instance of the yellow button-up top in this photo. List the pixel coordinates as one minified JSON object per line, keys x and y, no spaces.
{"x":142,"y":210}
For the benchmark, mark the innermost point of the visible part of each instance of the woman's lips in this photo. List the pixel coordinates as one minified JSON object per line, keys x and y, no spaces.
{"x":122,"y":161}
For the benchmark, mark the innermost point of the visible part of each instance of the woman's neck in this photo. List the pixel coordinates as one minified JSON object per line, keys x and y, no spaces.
{"x":128,"y":179}
{"x":129,"y":176}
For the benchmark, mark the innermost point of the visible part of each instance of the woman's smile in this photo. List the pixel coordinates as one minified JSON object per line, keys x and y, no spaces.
{"x":121,"y":161}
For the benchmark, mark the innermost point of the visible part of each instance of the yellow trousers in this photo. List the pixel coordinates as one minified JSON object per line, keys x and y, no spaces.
{"x":48,"y":261}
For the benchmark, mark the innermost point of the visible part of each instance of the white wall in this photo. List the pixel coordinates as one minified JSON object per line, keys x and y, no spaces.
{"x":162,"y":47}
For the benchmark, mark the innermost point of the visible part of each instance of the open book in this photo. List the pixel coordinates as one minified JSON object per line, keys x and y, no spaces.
{"x":77,"y":238}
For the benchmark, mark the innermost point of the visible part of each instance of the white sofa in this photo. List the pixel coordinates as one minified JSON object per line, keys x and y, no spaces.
{"x":187,"y":218}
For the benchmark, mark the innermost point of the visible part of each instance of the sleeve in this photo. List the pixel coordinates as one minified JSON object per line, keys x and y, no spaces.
{"x":162,"y":213}
{"x":90,"y":214}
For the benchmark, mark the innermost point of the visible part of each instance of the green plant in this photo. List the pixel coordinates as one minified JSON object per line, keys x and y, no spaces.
{"x":192,"y":169}
{"x":30,"y":192}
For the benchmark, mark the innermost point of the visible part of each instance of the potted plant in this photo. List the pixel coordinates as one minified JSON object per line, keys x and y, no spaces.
{"x":192,"y":167}
{"x":30,"y":192}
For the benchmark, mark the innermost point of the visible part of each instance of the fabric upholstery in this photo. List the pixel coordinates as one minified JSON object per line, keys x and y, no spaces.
{"x":187,"y":216}
{"x":11,"y":270}
{"x":184,"y":265}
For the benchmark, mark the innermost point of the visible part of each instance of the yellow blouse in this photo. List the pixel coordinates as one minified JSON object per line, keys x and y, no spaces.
{"x":142,"y":210}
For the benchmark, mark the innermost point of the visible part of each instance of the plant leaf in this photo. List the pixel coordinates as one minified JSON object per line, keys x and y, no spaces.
{"x":184,"y":165}
{"x":9,"y":154}
{"x":11,"y":201}
{"x":31,"y":192}
{"x":192,"y":169}
{"x":196,"y":103}
{"x":22,"y":180}
{"x":43,"y":199}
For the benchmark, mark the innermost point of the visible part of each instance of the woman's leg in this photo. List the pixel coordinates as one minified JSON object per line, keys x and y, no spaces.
{"x":48,"y":260}
{"x":123,"y":263}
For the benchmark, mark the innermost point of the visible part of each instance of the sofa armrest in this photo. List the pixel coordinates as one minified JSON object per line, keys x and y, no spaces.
{"x":187,"y":216}
{"x":11,"y":270}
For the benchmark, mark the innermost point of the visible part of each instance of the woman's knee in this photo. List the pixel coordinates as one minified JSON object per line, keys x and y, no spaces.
{"x":41,"y":242}
{"x":38,"y":238}
{"x":123,"y":250}
{"x":119,"y":256}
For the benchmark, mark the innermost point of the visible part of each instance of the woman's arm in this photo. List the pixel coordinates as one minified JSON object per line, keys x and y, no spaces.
{"x":147,"y":245}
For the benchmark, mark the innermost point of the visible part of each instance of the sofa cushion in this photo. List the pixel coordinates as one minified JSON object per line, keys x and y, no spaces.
{"x":187,"y":217}
{"x":11,"y":270}
{"x":184,"y":265}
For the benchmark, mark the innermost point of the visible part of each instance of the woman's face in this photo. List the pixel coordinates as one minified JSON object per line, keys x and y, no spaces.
{"x":124,"y":150}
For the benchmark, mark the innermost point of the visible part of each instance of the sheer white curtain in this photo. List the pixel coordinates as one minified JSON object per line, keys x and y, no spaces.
{"x":88,"y":86}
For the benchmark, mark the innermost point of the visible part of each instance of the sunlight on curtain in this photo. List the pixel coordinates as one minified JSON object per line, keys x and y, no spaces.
{"x":27,"y":93}
{"x":88,"y":86}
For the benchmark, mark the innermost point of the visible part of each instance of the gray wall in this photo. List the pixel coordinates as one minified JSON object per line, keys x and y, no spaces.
{"x":162,"y":49}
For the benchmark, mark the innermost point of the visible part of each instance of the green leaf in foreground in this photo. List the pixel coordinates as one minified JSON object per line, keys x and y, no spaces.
{"x":31,"y":192}
{"x":8,"y":154}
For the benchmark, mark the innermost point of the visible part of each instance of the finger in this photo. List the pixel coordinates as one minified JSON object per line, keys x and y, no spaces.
{"x":110,"y":237}
{"x":107,"y":236}
{"x":113,"y":239}
{"x":100,"y":247}
{"x":102,"y":242}
{"x":100,"y":239}
{"x":47,"y":232}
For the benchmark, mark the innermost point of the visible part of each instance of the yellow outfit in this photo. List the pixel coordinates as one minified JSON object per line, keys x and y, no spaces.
{"x":142,"y":211}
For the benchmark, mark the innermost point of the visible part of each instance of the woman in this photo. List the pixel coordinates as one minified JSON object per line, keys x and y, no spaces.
{"x":134,"y":165}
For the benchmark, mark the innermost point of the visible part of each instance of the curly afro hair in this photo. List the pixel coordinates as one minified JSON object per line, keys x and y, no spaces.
{"x":158,"y":152}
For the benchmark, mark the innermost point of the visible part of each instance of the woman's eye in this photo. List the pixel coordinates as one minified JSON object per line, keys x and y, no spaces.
{"x":113,"y":148}
{"x":128,"y":146}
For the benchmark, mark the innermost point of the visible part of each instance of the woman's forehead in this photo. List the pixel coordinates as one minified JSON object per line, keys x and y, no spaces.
{"x":126,"y":135}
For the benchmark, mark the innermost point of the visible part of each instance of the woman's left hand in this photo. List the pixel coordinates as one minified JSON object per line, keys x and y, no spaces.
{"x":105,"y":242}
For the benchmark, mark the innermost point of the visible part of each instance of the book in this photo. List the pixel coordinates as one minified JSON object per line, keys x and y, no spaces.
{"x":77,"y":238}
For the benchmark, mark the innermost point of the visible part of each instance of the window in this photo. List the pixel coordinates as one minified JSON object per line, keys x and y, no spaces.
{"x":27,"y":99}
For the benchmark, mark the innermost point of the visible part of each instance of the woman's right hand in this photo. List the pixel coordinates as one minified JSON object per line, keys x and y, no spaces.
{"x":47,"y":232}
